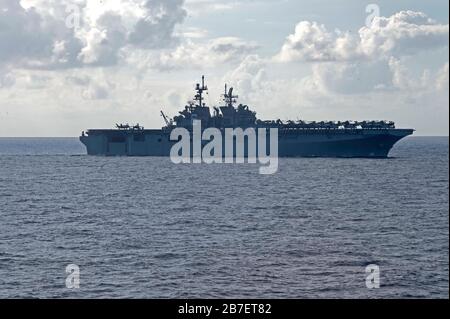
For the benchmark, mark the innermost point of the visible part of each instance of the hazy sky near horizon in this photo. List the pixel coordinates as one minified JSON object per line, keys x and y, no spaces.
{"x":66,"y":66}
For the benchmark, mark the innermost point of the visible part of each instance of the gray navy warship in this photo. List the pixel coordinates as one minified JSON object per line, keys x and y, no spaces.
{"x":372,"y":139}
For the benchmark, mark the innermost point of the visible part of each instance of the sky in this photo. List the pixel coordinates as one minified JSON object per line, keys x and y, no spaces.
{"x":67,"y":66}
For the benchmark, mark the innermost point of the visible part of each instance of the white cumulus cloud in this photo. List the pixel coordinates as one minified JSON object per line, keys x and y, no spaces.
{"x":43,"y":33}
{"x":404,"y":33}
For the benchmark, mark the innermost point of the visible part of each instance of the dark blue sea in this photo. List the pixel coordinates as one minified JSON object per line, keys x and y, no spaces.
{"x":147,"y":228}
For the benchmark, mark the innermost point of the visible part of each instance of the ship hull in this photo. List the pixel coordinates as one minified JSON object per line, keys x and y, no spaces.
{"x":347,"y":143}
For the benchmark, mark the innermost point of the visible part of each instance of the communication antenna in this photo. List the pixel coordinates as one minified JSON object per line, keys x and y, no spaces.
{"x":166,"y":119}
{"x":200,"y":89}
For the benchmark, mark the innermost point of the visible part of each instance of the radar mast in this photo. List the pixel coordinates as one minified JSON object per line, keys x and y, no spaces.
{"x":200,"y":89}
{"x":228,"y":97}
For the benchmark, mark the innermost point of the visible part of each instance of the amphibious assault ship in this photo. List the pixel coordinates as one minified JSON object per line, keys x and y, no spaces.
{"x":372,"y":139}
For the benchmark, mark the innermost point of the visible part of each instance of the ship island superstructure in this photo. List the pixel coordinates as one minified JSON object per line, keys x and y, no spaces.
{"x":372,"y":139}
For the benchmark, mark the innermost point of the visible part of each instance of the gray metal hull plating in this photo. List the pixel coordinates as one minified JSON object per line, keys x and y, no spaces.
{"x":371,"y":143}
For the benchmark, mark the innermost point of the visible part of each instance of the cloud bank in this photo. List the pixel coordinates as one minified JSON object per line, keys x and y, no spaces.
{"x":45,"y":34}
{"x":404,"y":33}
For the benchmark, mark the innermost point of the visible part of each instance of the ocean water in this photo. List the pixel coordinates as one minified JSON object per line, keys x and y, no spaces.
{"x":147,"y":228}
